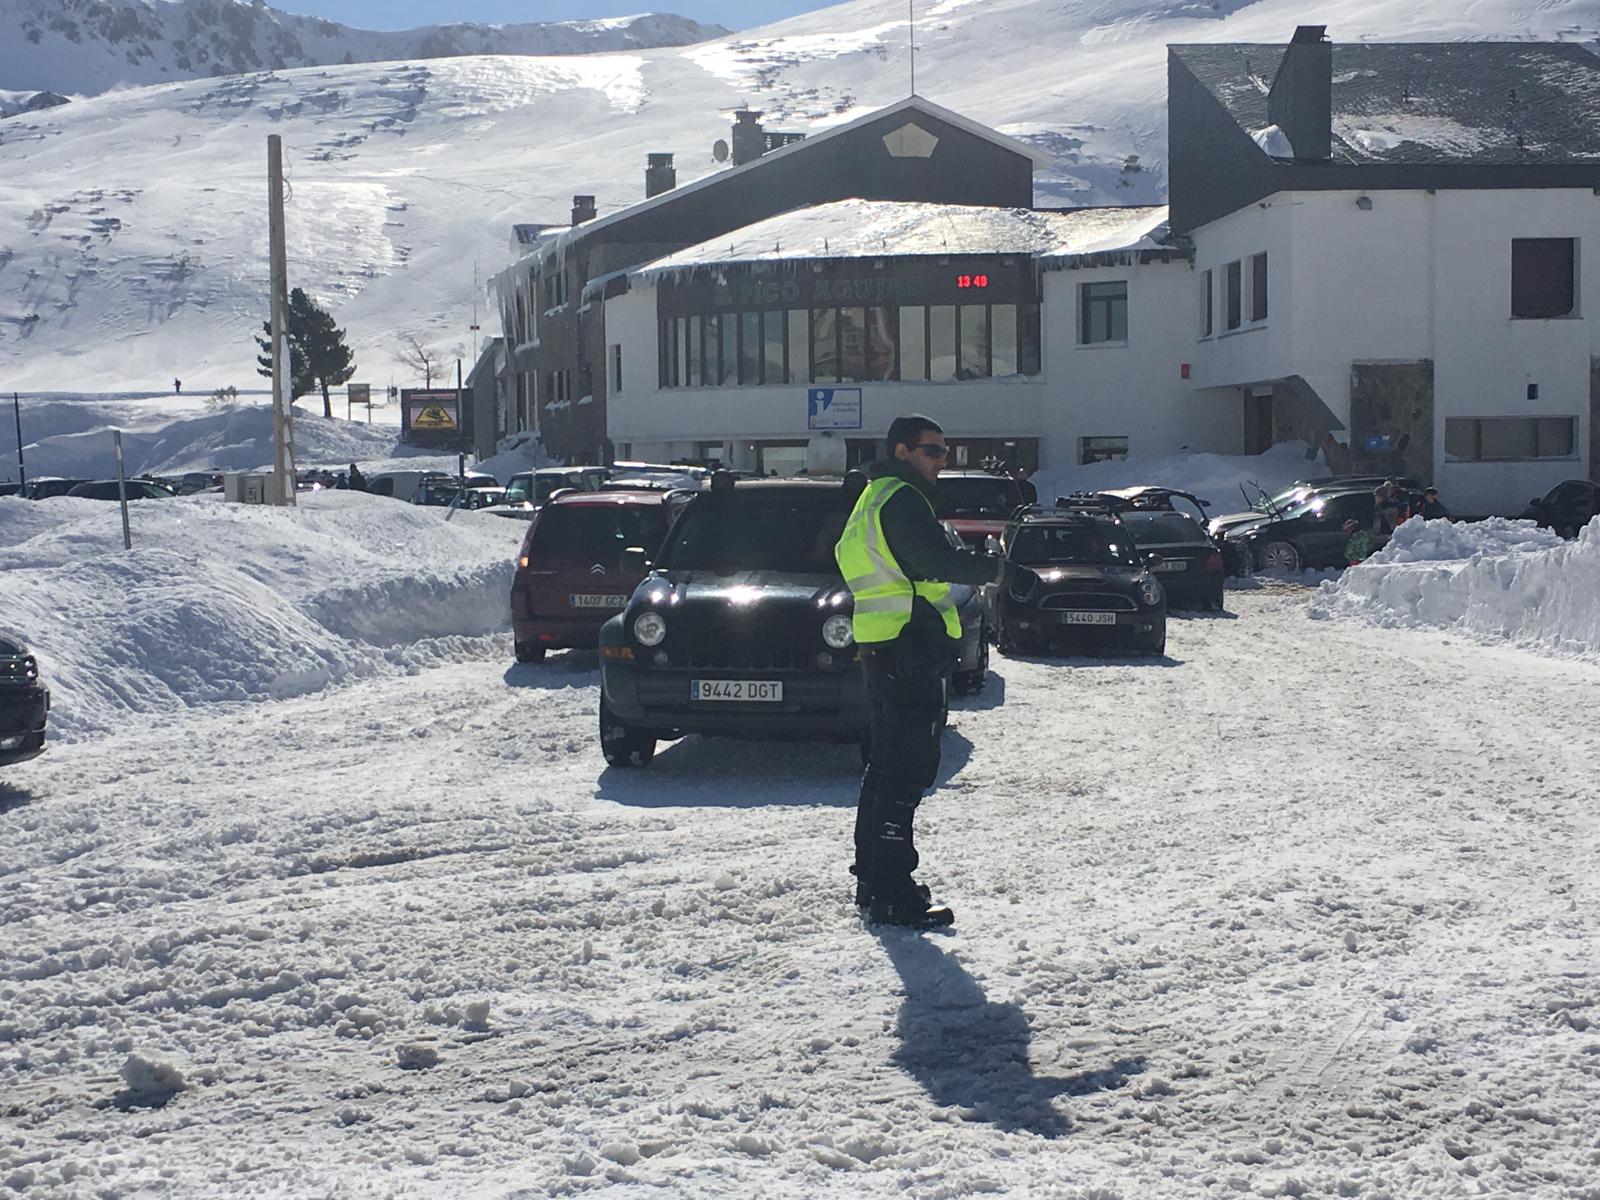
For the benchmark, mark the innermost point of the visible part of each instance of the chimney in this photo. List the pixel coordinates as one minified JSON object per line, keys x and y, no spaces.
{"x":1301,"y":100}
{"x":659,"y":175}
{"x":582,"y":209}
{"x":749,"y":139}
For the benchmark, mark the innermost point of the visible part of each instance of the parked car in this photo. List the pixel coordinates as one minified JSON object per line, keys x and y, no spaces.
{"x":110,"y":489}
{"x":1307,"y":535}
{"x":1298,"y":493}
{"x":1565,"y":508}
{"x":24,"y":703}
{"x":570,"y":576}
{"x":10,"y":488}
{"x":977,"y":504}
{"x":1153,"y":498}
{"x":1182,"y":554}
{"x":533,"y":488}
{"x":49,"y":487}
{"x":742,"y":626}
{"x":404,"y":485}
{"x":1096,"y":591}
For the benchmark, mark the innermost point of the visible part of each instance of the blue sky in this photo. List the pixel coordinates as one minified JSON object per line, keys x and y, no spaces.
{"x":405,"y":14}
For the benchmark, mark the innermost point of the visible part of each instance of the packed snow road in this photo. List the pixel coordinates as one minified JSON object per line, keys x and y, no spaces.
{"x":1307,"y":909}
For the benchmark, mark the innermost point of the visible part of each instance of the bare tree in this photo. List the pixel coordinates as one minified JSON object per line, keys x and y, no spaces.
{"x":411,"y":354}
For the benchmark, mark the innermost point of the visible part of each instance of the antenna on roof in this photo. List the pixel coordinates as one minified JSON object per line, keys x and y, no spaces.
{"x":911,"y":40}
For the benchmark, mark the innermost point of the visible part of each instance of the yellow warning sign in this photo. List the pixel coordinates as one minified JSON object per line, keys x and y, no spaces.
{"x":433,"y":417}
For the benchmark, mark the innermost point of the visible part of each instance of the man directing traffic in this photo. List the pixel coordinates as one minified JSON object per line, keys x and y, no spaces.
{"x":899,"y":564}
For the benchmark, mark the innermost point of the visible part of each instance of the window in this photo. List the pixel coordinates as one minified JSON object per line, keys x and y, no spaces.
{"x":799,"y":347}
{"x":522,"y":320}
{"x":1003,"y":339}
{"x":880,"y":350}
{"x":1258,"y":287}
{"x":853,"y":344}
{"x":1102,"y":449}
{"x":616,"y":368}
{"x":1028,"y":358}
{"x":825,"y":345}
{"x":730,"y":348}
{"x":694,"y":356}
{"x":555,"y":290}
{"x":772,"y":340}
{"x":750,"y":347}
{"x":1233,"y":299}
{"x":1207,"y":304}
{"x":1104,"y":309}
{"x":973,"y":322}
{"x":914,"y":342}
{"x":1543,"y":277}
{"x":1509,"y":439}
{"x":942,"y":342}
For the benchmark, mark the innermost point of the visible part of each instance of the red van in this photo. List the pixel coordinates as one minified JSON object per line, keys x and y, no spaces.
{"x":570,"y":579}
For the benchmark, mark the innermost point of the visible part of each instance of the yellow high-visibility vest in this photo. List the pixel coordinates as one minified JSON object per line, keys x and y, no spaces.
{"x":883,"y":594}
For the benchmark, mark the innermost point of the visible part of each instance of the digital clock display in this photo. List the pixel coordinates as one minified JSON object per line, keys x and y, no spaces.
{"x":971,"y":281}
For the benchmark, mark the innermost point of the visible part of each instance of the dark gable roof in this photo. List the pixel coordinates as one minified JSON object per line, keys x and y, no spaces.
{"x":1430,"y":102}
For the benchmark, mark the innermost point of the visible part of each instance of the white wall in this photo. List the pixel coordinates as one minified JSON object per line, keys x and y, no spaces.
{"x":1416,"y":276}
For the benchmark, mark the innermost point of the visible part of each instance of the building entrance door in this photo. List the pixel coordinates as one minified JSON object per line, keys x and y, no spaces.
{"x":1257,"y":422}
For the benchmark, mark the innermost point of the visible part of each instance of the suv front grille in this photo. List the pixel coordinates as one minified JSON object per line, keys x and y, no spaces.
{"x":759,"y":641}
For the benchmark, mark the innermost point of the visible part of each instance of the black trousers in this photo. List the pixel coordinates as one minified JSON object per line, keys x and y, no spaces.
{"x":906,"y":687}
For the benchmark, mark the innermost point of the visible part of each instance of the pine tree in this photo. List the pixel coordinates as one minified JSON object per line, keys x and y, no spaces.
{"x":318,"y":355}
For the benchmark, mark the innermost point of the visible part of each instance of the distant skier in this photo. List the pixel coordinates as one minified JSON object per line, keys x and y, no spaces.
{"x":177,"y":387}
{"x":357,"y":481}
{"x":899,"y":566}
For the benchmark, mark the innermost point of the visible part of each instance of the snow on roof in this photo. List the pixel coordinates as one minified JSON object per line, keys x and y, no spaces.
{"x":878,"y":228}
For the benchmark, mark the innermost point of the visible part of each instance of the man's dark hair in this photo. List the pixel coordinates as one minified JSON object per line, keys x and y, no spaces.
{"x":908,"y":430}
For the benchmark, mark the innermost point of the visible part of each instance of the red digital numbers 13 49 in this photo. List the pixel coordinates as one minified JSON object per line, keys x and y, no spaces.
{"x":972,"y":281}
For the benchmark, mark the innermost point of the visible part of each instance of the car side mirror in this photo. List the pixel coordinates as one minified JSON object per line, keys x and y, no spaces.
{"x":635,"y":562}
{"x":991,"y":544}
{"x":1155,"y":560}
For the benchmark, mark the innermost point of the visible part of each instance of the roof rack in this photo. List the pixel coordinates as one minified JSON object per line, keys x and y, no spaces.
{"x":1080,"y":502}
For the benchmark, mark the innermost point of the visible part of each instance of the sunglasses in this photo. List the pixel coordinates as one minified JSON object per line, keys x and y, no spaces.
{"x":932,"y":449}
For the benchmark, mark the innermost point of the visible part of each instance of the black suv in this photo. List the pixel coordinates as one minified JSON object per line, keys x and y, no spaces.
{"x":742,"y":626}
{"x":1309,"y":534}
{"x":1095,"y":592}
{"x":1566,"y":508}
{"x":24,"y":704}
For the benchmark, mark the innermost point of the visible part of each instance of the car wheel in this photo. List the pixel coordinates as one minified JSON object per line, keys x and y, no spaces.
{"x":970,"y":683}
{"x":1215,"y":604}
{"x":1280,"y":557}
{"x":530,"y":652}
{"x":623,"y":745}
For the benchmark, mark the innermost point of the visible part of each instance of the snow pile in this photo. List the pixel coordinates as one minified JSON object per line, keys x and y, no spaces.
{"x":1213,"y":477}
{"x":221,"y":602}
{"x":1497,"y":580}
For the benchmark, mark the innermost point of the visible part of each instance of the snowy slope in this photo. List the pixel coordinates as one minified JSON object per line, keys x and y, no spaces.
{"x":132,"y":225}
{"x":85,"y":47}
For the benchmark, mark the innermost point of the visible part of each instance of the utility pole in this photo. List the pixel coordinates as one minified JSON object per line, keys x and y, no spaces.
{"x":282,"y":382}
{"x":911,"y":35}
{"x":22,"y":471}
{"x":122,"y":490}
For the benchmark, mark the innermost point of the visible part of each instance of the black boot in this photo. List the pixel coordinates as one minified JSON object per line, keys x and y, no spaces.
{"x":912,"y":914}
{"x":864,"y":890}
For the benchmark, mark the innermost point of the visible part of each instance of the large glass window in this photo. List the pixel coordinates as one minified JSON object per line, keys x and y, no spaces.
{"x":730,"y":348}
{"x":914,"y":342}
{"x":942,"y":342}
{"x":824,"y":345}
{"x":1104,"y":309}
{"x":1258,"y":287}
{"x":1207,"y":295}
{"x":880,"y":343}
{"x":1003,"y":339}
{"x":711,"y":362}
{"x":853,"y":344}
{"x":685,"y":352}
{"x":1029,"y":360}
{"x":772,"y":347}
{"x":1233,"y":294}
{"x":693,"y":357}
{"x":1503,"y":439}
{"x":750,"y":347}
{"x":799,"y":346}
{"x":974,"y":325}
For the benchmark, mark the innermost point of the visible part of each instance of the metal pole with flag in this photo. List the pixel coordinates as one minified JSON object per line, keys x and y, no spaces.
{"x":122,"y":491}
{"x":282,"y":359}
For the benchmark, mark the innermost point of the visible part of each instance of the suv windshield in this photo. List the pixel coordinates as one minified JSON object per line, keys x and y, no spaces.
{"x":977,"y":496}
{"x":1099,"y":543}
{"x":760,"y":530}
{"x":595,"y":533}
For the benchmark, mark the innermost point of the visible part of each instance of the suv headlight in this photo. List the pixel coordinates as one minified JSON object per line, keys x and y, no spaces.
{"x":837,"y":632}
{"x":650,"y":629}
{"x":1150,"y":591}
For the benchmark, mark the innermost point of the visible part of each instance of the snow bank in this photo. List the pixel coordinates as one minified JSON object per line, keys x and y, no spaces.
{"x":1213,"y":477}
{"x":1496,"y":580}
{"x":221,"y":602}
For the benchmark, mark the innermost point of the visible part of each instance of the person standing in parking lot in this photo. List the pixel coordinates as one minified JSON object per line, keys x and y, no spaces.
{"x":357,"y":482}
{"x":899,"y":565}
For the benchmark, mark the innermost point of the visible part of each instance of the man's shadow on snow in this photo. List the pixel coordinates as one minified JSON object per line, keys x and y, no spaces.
{"x":12,"y":797}
{"x":971,"y":1053}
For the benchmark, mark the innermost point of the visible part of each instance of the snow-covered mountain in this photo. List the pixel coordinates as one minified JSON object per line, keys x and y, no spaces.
{"x":133,"y":226}
{"x":85,"y":47}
